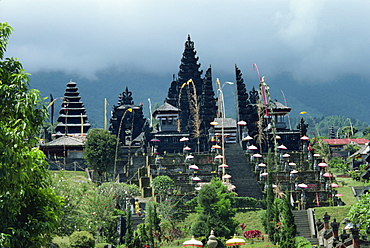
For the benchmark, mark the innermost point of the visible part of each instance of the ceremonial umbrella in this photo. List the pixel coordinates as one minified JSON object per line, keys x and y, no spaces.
{"x":292,"y":164}
{"x":235,"y":241}
{"x":327,"y":174}
{"x":337,"y":195}
{"x":282,"y":147}
{"x":219,"y":156}
{"x":322,"y":164}
{"x":286,"y":155}
{"x":187,"y":148}
{"x":303,"y":186}
{"x":304,"y":138}
{"x":194,"y":167}
{"x":189,"y":157}
{"x":184,"y":139}
{"x":293,"y":172}
{"x":192,"y":243}
{"x":216,"y":147}
{"x":252,"y":147}
{"x":223,"y":166}
{"x":196,"y":179}
{"x":264,"y":174}
{"x":334,"y":185}
{"x":257,"y":155}
{"x":262,"y":165}
{"x":227,"y":176}
{"x":155,"y":140}
{"x":248,"y":138}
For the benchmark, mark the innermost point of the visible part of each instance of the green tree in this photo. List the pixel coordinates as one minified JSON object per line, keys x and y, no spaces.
{"x":359,"y":214}
{"x":271,"y":216}
{"x":29,"y":209}
{"x":215,"y":211}
{"x":323,"y":149}
{"x":288,"y":226}
{"x":163,"y":186}
{"x":100,"y":150}
{"x":119,"y":192}
{"x":366,"y":131}
{"x":128,"y":239}
{"x":351,"y":148}
{"x":348,"y":131}
{"x":82,"y":239}
{"x":152,"y":221}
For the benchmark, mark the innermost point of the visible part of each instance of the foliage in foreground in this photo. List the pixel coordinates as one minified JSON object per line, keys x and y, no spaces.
{"x":100,"y":152}
{"x":29,"y":208}
{"x":215,"y":211}
{"x":359,"y":214}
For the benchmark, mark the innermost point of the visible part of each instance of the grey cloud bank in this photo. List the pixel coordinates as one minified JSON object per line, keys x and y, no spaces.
{"x":314,"y":40}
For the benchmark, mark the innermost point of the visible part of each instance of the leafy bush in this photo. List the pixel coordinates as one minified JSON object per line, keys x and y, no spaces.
{"x":82,"y":239}
{"x":302,"y":242}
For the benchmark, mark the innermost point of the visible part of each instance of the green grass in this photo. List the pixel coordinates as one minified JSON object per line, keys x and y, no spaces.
{"x":70,"y":175}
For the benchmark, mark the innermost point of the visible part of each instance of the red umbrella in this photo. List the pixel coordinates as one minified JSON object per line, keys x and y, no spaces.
{"x":322,"y":164}
{"x":334,"y":185}
{"x":327,"y":174}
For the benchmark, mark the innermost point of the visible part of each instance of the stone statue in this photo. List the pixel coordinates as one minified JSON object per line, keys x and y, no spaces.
{"x":335,"y":227}
{"x":212,"y":241}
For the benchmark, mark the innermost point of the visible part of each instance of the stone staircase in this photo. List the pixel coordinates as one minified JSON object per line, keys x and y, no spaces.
{"x":303,"y":228}
{"x":241,"y":171}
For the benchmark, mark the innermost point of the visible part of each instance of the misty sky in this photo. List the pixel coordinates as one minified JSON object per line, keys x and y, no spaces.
{"x":315,"y":40}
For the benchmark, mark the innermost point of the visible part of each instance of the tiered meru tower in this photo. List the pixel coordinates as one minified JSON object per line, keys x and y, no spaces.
{"x":72,"y":116}
{"x":182,"y":91}
{"x":127,"y":119}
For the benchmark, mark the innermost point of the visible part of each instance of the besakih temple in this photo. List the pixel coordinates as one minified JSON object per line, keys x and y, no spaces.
{"x":185,"y":136}
{"x":72,"y":118}
{"x":193,"y":142}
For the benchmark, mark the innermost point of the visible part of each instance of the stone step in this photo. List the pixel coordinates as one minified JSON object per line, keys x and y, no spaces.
{"x":241,"y":172}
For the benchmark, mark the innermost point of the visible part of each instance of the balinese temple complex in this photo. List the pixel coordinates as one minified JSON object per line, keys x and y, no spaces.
{"x":192,"y":141}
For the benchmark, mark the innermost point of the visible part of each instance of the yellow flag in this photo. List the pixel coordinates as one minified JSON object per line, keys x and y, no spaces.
{"x":129,"y":109}
{"x":303,"y":112}
{"x":187,"y":83}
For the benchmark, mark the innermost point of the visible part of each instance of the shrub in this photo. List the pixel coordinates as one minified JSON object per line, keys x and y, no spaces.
{"x":82,"y":239}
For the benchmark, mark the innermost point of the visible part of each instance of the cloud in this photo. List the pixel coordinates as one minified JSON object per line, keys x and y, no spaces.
{"x":314,"y":40}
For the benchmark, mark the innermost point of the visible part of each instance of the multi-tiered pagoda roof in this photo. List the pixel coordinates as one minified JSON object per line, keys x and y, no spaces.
{"x":72,"y":115}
